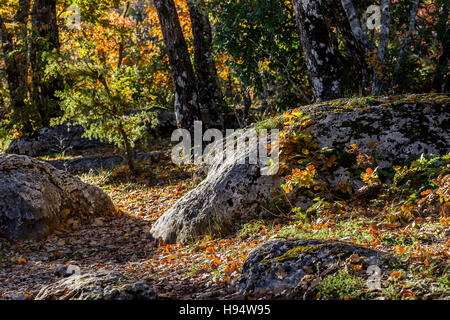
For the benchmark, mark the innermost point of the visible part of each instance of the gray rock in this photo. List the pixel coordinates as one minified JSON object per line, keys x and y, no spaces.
{"x":33,"y":194}
{"x":66,"y":271}
{"x":281,"y":265}
{"x":84,"y":164}
{"x":102,"y":285}
{"x":57,"y":139}
{"x":391,"y":133}
{"x":166,"y":123}
{"x":60,"y":271}
{"x":233,"y":191}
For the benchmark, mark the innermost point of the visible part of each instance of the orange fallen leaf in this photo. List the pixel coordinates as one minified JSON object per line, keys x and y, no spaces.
{"x":217,"y":262}
{"x":396,"y":274}
{"x":357,"y":267}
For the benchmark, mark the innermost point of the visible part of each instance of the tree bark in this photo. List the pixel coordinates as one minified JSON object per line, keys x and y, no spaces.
{"x":45,"y":38}
{"x":186,"y":106}
{"x":382,"y":47}
{"x":247,"y":99}
{"x":355,"y":25}
{"x":209,"y":91}
{"x":319,"y":53}
{"x":356,"y":47}
{"x":441,"y":81}
{"x":16,"y":67}
{"x":412,"y":27}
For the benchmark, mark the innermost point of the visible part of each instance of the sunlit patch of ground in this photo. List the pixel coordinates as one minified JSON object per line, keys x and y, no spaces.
{"x":209,"y":268}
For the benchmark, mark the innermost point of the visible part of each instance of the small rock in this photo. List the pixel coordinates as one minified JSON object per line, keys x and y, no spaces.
{"x":60,"y":271}
{"x":102,"y":285}
{"x":98,"y":222}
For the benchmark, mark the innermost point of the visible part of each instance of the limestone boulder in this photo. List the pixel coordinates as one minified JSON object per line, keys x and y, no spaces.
{"x":102,"y":285}
{"x":35,"y":197}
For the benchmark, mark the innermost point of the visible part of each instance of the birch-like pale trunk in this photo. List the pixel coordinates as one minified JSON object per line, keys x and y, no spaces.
{"x":355,"y":25}
{"x":382,"y":46}
{"x":406,"y":42}
{"x":355,"y":47}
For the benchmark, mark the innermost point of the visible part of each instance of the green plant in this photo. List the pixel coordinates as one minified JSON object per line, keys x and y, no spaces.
{"x":342,"y":285}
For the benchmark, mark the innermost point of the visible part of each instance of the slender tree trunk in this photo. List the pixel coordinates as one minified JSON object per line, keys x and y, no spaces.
{"x":355,"y":47}
{"x":405,"y":44}
{"x":319,"y":53}
{"x":355,"y":25}
{"x":382,"y":47}
{"x":247,"y":99}
{"x":45,"y":38}
{"x":16,"y":67}
{"x":441,"y":81}
{"x":121,"y":129}
{"x":209,"y":91}
{"x":186,"y":106}
{"x":265,"y":93}
{"x":128,"y":149}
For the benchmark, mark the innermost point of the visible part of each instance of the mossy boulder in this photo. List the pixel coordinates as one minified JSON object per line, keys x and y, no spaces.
{"x":102,"y":285}
{"x":234,"y":191}
{"x":391,"y":130}
{"x":290,"y":266}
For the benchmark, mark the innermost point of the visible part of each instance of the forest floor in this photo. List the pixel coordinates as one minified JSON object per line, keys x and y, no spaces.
{"x":209,"y":267}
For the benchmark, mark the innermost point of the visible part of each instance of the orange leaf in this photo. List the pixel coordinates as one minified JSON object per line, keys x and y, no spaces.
{"x":424,"y":193}
{"x":357,"y":267}
{"x":396,"y":274}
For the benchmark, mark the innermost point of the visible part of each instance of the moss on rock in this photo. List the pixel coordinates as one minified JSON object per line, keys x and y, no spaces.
{"x":296,"y":252}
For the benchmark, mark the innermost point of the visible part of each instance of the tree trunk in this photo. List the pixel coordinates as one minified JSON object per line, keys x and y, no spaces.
{"x":355,"y":47}
{"x":209,"y":92}
{"x":45,"y":38}
{"x":247,"y":99}
{"x":15,"y":57}
{"x":412,"y":27}
{"x":186,"y":107}
{"x":319,"y":53}
{"x":128,"y":149}
{"x":379,"y":80}
{"x":355,"y":25}
{"x":441,"y":81}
